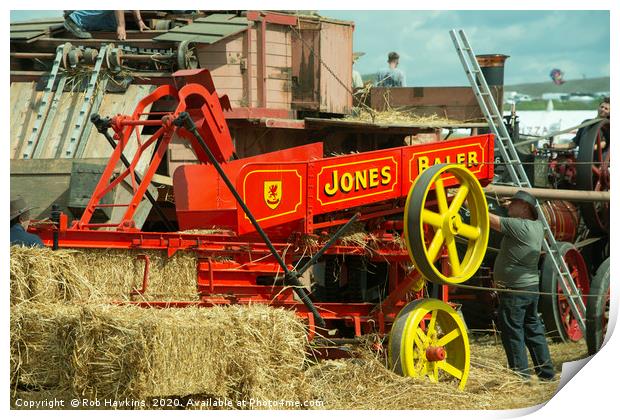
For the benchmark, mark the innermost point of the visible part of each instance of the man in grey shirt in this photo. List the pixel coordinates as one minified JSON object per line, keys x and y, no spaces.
{"x":516,"y":269}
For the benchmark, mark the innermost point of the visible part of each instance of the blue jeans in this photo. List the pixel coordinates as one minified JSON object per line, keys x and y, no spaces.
{"x":94,"y":20}
{"x":522,"y":328}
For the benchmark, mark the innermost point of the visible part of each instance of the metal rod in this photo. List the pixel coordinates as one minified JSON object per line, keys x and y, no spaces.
{"x":534,"y":139}
{"x":146,"y":123}
{"x":102,"y":126}
{"x":549,"y":194}
{"x":55,"y":216}
{"x":128,"y":57}
{"x":330,"y":342}
{"x":41,"y":56}
{"x":184,"y":120}
{"x":329,"y":243}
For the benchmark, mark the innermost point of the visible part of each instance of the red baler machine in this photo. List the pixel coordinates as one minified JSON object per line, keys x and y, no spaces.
{"x":282,"y":216}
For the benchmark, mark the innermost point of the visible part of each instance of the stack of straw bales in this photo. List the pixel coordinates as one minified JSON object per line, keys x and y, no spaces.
{"x":98,"y":275}
{"x":66,"y":341}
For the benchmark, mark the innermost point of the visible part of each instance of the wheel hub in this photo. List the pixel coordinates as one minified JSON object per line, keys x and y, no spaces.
{"x":435,"y":354}
{"x":454,"y":224}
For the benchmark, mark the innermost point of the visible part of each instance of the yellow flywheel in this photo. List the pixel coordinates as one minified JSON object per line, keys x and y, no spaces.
{"x":446,"y":224}
{"x":429,"y":338}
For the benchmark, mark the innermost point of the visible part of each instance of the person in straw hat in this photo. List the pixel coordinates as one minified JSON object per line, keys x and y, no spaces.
{"x":516,"y":269}
{"x":20,"y":218}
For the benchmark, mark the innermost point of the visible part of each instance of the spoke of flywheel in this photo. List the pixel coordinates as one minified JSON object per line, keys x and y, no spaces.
{"x":459,"y":198}
{"x":469,"y":231}
{"x":453,"y":256}
{"x":432,"y":322}
{"x":423,"y":336}
{"x":435,"y":372}
{"x":450,"y":369}
{"x":455,"y":333}
{"x":435,"y":245}
{"x":420,"y":338}
{"x":432,"y":218}
{"x":442,"y":201}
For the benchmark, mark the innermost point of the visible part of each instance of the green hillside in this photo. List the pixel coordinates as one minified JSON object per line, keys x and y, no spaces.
{"x":599,"y":84}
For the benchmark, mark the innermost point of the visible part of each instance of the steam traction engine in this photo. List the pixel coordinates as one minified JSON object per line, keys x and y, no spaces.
{"x":586,"y":222}
{"x":281,"y":218}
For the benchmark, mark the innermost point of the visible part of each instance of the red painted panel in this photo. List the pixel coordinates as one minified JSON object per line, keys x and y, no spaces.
{"x":476,"y":153}
{"x":353,"y":180}
{"x":202,"y":198}
{"x":275,"y":193}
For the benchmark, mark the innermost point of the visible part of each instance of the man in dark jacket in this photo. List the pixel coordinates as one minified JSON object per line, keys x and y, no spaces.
{"x":20,"y":218}
{"x":603,"y":111}
{"x":516,"y":269}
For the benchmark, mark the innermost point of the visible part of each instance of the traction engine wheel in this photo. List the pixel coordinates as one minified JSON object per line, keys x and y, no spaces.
{"x":593,"y":174}
{"x":560,"y":324}
{"x":429,"y":338}
{"x":446,"y":224}
{"x":597,"y":308}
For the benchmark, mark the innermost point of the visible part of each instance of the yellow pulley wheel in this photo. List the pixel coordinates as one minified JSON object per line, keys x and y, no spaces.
{"x":429,"y":339}
{"x":445,"y":223}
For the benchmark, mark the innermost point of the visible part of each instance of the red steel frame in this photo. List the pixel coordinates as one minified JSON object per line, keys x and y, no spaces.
{"x":236,"y":279}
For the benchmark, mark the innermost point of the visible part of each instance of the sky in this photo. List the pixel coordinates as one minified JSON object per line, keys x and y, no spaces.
{"x":577,"y":42}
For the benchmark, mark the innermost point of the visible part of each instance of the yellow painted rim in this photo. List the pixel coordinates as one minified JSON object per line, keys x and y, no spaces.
{"x":447,"y":224}
{"x":444,"y":328}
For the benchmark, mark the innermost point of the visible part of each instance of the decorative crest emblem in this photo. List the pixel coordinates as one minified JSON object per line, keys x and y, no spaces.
{"x":272,"y":191}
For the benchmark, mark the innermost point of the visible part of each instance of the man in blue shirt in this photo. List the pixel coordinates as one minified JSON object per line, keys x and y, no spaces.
{"x":79,"y":22}
{"x":20,"y":217}
{"x":392,"y":76}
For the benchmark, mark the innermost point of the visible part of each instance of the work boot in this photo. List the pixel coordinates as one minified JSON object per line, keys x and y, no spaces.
{"x":73,"y":27}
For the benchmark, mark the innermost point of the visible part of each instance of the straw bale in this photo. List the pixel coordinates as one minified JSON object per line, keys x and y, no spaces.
{"x":115,"y":273}
{"x":98,"y":275}
{"x":234,"y":352}
{"x":42,"y":337}
{"x":46,"y":276}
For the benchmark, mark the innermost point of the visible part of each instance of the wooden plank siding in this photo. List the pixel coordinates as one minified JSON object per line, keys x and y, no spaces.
{"x":227,"y":60}
{"x":55,"y":172}
{"x":24,"y":31}
{"x":207,"y":30}
{"x":25,"y":100}
{"x":337,"y":55}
